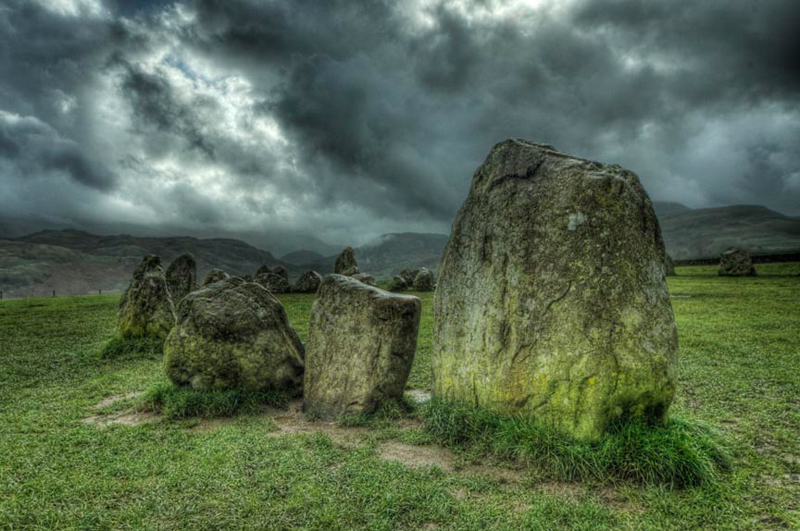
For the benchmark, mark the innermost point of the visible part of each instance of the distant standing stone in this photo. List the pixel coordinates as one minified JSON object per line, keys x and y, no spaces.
{"x":551,"y":300}
{"x":234,"y":334}
{"x":281,"y":271}
{"x":669,"y":266}
{"x":308,"y":282}
{"x":346,"y":263}
{"x":182,"y":277}
{"x":215,"y":275}
{"x":409,"y":275}
{"x":145,"y":309}
{"x":398,"y":283}
{"x":274,"y":283}
{"x":424,"y":280}
{"x":360,"y":347}
{"x":366,"y":278}
{"x":736,"y":262}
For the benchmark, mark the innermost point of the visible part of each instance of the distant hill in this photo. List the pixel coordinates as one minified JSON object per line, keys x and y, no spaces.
{"x":75,"y":262}
{"x":301,"y":257}
{"x":707,"y":232}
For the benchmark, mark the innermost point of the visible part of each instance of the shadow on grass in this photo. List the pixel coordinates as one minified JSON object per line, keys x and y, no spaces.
{"x":175,"y":402}
{"x":678,"y":454}
{"x":139,"y":347}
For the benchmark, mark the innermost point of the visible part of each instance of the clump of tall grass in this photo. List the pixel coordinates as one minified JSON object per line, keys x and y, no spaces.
{"x":680,"y":453}
{"x":176,"y":402}
{"x":139,"y":347}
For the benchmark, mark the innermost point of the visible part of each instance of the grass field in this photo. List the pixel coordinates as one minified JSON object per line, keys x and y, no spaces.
{"x":740,"y":374}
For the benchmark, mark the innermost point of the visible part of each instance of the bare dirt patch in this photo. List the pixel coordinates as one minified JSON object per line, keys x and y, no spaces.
{"x":126,"y":418}
{"x":116,"y":398}
{"x":417,"y":456}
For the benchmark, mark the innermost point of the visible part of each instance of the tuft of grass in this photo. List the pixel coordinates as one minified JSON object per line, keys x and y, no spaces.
{"x":140,"y":347}
{"x":678,"y":454}
{"x":175,"y":402}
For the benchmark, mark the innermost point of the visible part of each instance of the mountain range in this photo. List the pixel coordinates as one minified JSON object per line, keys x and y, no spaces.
{"x":74,"y":262}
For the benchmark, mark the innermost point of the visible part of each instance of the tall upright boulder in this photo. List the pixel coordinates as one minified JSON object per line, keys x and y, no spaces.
{"x":669,"y":266}
{"x":551,"y":300}
{"x":234,"y":334}
{"x":736,"y":262}
{"x":182,"y":277}
{"x":424,"y":280}
{"x":308,"y":282}
{"x":361,"y":343}
{"x":146,"y":309}
{"x":346,"y":263}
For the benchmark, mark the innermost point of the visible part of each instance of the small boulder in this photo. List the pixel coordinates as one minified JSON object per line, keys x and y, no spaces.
{"x":736,"y":262}
{"x":263,"y":270}
{"x":669,"y":266}
{"x":281,"y":271}
{"x":146,"y":309}
{"x":274,"y":283}
{"x":398,"y":283}
{"x":182,"y":277}
{"x":234,"y":334}
{"x":346,"y":263}
{"x":308,"y":282}
{"x":215,"y":275}
{"x":424,"y":280}
{"x":366,"y":278}
{"x":409,"y":275}
{"x":361,"y":343}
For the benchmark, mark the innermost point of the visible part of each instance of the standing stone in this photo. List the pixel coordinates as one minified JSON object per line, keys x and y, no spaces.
{"x":669,"y":266}
{"x":182,"y":277}
{"x":215,"y":275}
{"x":366,"y":278}
{"x":361,"y":343}
{"x":551,"y":299}
{"x":736,"y":262}
{"x":234,"y":334}
{"x":281,"y":271}
{"x":274,"y":283}
{"x":398,"y":283}
{"x":409,"y":275}
{"x":346,"y":263}
{"x":145,"y":309}
{"x":424,"y":280}
{"x":263,"y":270}
{"x":308,"y":282}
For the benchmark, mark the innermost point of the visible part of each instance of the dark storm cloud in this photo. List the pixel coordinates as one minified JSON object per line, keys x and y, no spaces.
{"x":350,"y":118}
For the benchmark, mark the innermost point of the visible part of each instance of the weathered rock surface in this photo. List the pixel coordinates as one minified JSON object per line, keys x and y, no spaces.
{"x":366,"y":278}
{"x":281,"y":271}
{"x":424,"y":280}
{"x":182,"y":277}
{"x":551,"y":300}
{"x":360,"y":347}
{"x":409,"y":275}
{"x":346,"y":263}
{"x":736,"y":263}
{"x":233,"y":334}
{"x":398,"y":283}
{"x":274,"y":283}
{"x":215,"y":275}
{"x":308,"y":282}
{"x":145,"y":308}
{"x":669,"y":266}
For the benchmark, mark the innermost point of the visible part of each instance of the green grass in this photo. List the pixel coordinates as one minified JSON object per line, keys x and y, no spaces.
{"x":739,"y":359}
{"x":176,"y":402}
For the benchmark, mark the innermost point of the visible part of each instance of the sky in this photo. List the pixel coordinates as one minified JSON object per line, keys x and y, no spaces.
{"x":346,"y":120}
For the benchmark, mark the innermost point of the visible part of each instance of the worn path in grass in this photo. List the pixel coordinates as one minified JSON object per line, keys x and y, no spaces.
{"x":740,"y":354}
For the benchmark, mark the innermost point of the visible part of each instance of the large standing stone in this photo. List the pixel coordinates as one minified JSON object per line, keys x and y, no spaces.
{"x":360,"y":347}
{"x":551,"y":300}
{"x":215,"y":275}
{"x":409,"y":275}
{"x":233,"y":334}
{"x":736,"y":263}
{"x":145,"y":308}
{"x":424,"y":280}
{"x":182,"y":277}
{"x":308,"y":282}
{"x":346,"y":263}
{"x":274,"y":283}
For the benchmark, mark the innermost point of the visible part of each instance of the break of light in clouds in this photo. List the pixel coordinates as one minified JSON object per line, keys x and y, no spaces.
{"x":346,"y":120}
